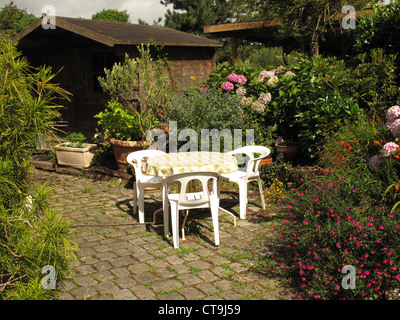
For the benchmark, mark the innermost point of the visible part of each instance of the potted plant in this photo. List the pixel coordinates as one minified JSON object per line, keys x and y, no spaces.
{"x":74,"y":152}
{"x":140,"y":89}
{"x":289,"y":149}
{"x":122,"y":129}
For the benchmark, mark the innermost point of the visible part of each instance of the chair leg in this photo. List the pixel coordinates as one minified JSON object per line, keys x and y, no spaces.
{"x":183,"y":225}
{"x":165,"y":211}
{"x":214,"y":215}
{"x":175,"y":225}
{"x":134,"y":198}
{"x":243,"y":200}
{"x":141,"y":204}
{"x":261,"y":192}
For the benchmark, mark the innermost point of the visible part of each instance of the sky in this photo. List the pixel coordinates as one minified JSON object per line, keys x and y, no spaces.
{"x":147,"y":10}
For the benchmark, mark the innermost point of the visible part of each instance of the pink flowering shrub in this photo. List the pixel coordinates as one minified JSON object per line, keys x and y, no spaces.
{"x":337,"y":221}
{"x":227,"y":86}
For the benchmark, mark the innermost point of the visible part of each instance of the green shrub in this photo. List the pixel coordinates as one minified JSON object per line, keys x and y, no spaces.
{"x":350,"y":147}
{"x":32,"y":235}
{"x":143,"y":89}
{"x":120,"y":123}
{"x":312,"y":95}
{"x":207,"y":109}
{"x":379,"y":30}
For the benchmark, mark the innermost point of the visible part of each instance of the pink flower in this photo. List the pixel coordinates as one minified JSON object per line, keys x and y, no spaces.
{"x":393,"y":113}
{"x":394,"y":127}
{"x":204,"y":88}
{"x":389,"y":148}
{"x":233,"y":77}
{"x":227,"y":86}
{"x":242,"y":80}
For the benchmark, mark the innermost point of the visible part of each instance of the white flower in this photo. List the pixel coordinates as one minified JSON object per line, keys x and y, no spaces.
{"x":246,"y":100}
{"x":265,"y":98}
{"x":241,"y":91}
{"x":265,"y":74}
{"x":257,"y":106}
{"x":272,"y":81}
{"x":289,"y":74}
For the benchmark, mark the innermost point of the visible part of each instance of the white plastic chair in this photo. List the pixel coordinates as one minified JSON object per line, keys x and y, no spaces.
{"x":142,"y":181}
{"x":243,"y":177}
{"x":193,"y":200}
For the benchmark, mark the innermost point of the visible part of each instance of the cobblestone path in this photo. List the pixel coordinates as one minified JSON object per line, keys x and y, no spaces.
{"x":120,"y":259}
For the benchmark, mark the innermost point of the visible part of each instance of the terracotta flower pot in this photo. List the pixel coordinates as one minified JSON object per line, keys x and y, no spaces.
{"x":290,"y":149}
{"x":122,"y":148}
{"x":266,"y":161}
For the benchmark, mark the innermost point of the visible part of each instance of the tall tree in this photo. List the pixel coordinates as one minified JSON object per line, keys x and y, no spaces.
{"x":306,"y":19}
{"x":13,"y":20}
{"x":194,"y":14}
{"x":112,"y":15}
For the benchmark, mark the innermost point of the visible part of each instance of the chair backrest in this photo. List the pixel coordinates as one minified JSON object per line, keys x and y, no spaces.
{"x":136,"y":158}
{"x":253,"y":162}
{"x":185,"y":178}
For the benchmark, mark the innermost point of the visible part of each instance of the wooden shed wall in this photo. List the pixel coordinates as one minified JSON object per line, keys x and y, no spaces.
{"x":77,"y":75}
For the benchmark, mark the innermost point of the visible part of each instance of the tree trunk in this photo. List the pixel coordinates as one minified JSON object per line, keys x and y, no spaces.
{"x":315,"y":44}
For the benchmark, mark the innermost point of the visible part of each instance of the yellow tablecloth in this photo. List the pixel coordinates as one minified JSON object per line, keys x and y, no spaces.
{"x":172,"y":163}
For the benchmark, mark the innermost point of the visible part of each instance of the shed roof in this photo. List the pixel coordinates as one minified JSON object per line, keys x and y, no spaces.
{"x":117,"y":33}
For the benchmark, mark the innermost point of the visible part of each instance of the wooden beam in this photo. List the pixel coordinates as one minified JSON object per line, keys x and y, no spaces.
{"x":235,"y":26}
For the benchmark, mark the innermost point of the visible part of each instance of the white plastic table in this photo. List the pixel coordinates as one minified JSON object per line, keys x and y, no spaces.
{"x":178,"y":162}
{"x":173,"y":163}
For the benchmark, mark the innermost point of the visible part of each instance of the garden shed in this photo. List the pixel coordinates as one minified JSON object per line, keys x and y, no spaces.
{"x":82,"y":48}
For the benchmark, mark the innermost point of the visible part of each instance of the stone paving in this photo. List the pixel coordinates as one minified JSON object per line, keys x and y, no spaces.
{"x":120,"y":259}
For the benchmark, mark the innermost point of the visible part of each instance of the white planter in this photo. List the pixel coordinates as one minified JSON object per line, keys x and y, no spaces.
{"x":75,"y":157}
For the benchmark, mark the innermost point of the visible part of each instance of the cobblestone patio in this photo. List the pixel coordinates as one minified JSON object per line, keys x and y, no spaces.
{"x":120,"y":259}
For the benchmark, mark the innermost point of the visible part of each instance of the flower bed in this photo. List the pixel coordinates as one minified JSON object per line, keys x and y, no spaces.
{"x":334,"y":222}
{"x":347,"y":215}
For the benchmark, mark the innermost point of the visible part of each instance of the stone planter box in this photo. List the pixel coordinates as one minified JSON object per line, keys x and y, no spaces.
{"x":69,"y":155}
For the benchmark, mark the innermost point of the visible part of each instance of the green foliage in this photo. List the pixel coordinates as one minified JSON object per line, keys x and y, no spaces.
{"x":32,"y":235}
{"x":119,"y":123}
{"x":26,"y":101}
{"x":76,"y":137}
{"x":143,"y":87}
{"x":313,"y":95}
{"x":352,"y":145}
{"x":305,"y":19}
{"x":112,"y":15}
{"x":14,"y":20}
{"x":207,"y":109}
{"x":379,"y":30}
{"x":194,"y":14}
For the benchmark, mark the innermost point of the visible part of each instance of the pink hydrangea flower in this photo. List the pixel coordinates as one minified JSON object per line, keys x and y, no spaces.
{"x":227,"y":86}
{"x":394,"y":127}
{"x":233,"y":77}
{"x":389,"y":148}
{"x":242,"y":80}
{"x":393,"y":113}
